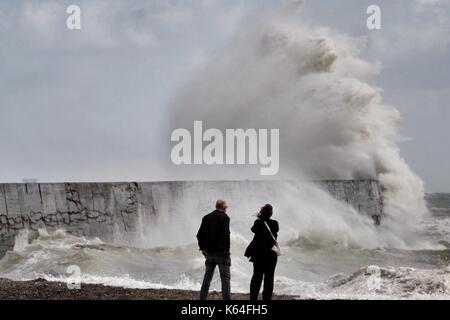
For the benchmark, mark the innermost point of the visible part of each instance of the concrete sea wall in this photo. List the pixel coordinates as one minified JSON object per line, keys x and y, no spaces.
{"x":107,"y":209}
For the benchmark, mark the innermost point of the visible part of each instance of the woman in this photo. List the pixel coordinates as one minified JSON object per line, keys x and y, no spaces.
{"x":263,"y":254}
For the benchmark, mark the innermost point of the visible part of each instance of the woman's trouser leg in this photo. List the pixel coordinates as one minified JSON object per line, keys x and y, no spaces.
{"x":255,"y":284}
{"x":269,"y":273}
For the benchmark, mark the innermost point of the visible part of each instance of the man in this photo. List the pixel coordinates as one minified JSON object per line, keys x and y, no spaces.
{"x":214,"y":243}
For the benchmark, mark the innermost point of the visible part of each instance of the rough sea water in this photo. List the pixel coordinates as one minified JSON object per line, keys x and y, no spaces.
{"x":309,"y":266}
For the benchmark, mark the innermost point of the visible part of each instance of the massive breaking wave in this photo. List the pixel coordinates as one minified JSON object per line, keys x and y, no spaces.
{"x":310,"y":82}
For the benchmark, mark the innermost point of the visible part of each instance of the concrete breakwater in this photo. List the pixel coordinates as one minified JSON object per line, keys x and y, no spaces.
{"x":106,"y":210}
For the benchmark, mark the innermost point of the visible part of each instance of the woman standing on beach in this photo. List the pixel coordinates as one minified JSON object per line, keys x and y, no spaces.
{"x":263,"y":251}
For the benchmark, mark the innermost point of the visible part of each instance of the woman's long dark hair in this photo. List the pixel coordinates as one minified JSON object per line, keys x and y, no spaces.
{"x":266,"y":212}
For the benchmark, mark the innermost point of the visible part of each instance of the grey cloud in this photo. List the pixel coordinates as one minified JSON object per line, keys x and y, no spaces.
{"x":91,"y":105}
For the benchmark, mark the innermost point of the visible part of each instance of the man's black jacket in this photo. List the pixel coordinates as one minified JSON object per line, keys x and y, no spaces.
{"x":214,"y":232}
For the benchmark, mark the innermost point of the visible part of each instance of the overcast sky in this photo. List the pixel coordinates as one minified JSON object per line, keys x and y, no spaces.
{"x":90,"y":105}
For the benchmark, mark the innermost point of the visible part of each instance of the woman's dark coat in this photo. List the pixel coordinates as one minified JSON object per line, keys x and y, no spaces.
{"x":262,"y":242}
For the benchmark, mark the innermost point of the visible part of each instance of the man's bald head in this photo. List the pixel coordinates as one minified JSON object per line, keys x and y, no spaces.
{"x":221,"y":205}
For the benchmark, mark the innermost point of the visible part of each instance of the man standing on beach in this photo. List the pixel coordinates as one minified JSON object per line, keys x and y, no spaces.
{"x":214,"y":243}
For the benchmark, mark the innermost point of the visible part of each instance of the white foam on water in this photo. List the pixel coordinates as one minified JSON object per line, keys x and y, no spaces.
{"x":49,"y":255}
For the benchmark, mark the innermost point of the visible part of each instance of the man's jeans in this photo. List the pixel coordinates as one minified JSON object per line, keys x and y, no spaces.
{"x":224,"y":262}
